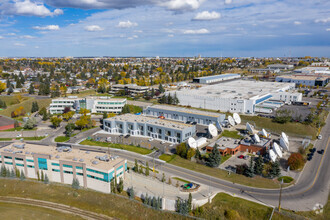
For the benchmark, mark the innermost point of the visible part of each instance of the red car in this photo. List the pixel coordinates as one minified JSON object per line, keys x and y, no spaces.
{"x":241,"y":156}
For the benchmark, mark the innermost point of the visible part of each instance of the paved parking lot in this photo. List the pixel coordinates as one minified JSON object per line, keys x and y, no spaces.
{"x":136,"y":140}
{"x":234,"y":160}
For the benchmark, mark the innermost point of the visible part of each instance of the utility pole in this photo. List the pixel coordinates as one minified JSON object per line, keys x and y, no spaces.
{"x":280,"y":198}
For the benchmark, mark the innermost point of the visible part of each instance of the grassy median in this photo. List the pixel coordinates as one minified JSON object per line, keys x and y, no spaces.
{"x":132,"y":148}
{"x":61,"y":139}
{"x":256,"y":181}
{"x":24,"y":138}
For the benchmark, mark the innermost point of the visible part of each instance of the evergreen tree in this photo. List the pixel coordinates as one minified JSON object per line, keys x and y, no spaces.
{"x":112,"y":185}
{"x":147,"y":169}
{"x":3,"y":171}
{"x":189,"y":202}
{"x":214,"y":157}
{"x":31,"y":89}
{"x":125,"y":109}
{"x":163,"y":178}
{"x":38,"y":176}
{"x":7,"y":172}
{"x":22,"y":176}
{"x":131,"y":193}
{"x":136,"y":167}
{"x":161,"y":88}
{"x":120,"y":185}
{"x":141,"y":169}
{"x":10,"y":90}
{"x":75,"y":184}
{"x":12,"y":173}
{"x":42,"y":176}
{"x":46,"y":180}
{"x":198,"y":154}
{"x":275,"y":169}
{"x":258,"y":165}
{"x":249,"y":171}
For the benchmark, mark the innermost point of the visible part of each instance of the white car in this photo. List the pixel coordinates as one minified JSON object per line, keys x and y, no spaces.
{"x":319,"y":137}
{"x":151,"y":139}
{"x":163,"y":142}
{"x":19,"y":135}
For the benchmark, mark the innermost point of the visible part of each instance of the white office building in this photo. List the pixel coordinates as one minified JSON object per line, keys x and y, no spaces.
{"x":93,"y":170}
{"x":94,"y":104}
{"x":138,"y":125}
{"x":240,"y":96}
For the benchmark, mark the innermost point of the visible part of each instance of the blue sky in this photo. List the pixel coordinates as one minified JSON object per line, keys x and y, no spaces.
{"x":241,"y":28}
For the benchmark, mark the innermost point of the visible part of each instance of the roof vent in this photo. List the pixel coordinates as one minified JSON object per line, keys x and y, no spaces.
{"x":81,"y":160}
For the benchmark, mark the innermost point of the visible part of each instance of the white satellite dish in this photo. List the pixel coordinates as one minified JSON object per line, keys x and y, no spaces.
{"x":285,"y":137}
{"x":213,"y":130}
{"x":249,"y":128}
{"x":237,"y":118}
{"x":218,"y":125}
{"x":264,"y":133}
{"x":192,"y":143}
{"x":277,"y":149}
{"x":231,"y":121}
{"x":272,"y":155}
{"x":256,"y":138}
{"x":283,"y":144}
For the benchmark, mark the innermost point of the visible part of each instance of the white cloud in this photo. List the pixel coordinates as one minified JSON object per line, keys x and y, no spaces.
{"x":300,"y":34}
{"x":175,"y":5}
{"x":328,"y":29}
{"x":27,"y":37}
{"x":199,"y":31}
{"x":297,"y":23}
{"x":227,"y":2}
{"x":127,"y":24}
{"x":19,"y":44}
{"x":27,"y":8}
{"x":93,"y":28}
{"x":37,"y":47}
{"x":170,"y":35}
{"x":323,"y":20}
{"x":133,"y":37}
{"x":206,"y":15}
{"x":1,"y":37}
{"x":48,"y":27}
{"x":182,"y":5}
{"x":11,"y":34}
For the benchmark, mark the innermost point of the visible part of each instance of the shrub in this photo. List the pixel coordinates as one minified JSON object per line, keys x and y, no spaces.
{"x":231,"y":214}
{"x":296,"y":161}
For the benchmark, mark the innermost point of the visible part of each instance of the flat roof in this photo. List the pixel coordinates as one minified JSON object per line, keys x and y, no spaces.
{"x":186,"y":110}
{"x":68,"y":156}
{"x":150,"y":120}
{"x":225,"y":142}
{"x":97,"y":98}
{"x":304,"y":77}
{"x":237,"y":89}
{"x":218,"y":76}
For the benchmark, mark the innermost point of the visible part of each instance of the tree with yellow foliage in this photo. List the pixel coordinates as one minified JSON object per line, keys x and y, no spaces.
{"x":2,"y":87}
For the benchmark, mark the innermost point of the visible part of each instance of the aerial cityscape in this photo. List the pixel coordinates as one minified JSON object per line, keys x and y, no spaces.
{"x":174,"y":109}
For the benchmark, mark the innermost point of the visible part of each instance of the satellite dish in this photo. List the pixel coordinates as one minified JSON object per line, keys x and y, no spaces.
{"x":264,"y":133}
{"x":277,"y":149}
{"x":231,"y":121}
{"x":213,"y":130}
{"x":249,"y":128}
{"x":219,"y":126}
{"x":192,"y":143}
{"x":256,"y":138}
{"x":272,"y":155}
{"x":237,"y":118}
{"x":285,"y":137}
{"x":283,"y":144}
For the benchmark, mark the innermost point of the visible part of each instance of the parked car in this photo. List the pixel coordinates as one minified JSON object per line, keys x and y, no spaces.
{"x":150,"y":139}
{"x":241,"y":156}
{"x":128,"y":135}
{"x":163,"y":142}
{"x":319,"y":137}
{"x":194,"y":123}
{"x":321,"y":151}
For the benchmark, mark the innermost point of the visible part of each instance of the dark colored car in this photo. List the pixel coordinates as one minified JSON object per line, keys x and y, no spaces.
{"x":321,"y":151}
{"x":127,"y":135}
{"x":194,"y":123}
{"x":241,"y":156}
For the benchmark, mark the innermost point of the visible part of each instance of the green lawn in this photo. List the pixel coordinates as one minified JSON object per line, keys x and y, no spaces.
{"x":182,"y":180}
{"x":135,"y":149}
{"x":25,"y":138}
{"x":27,"y":105}
{"x":256,"y":181}
{"x":86,"y":93}
{"x":231,"y":134}
{"x":225,"y":158}
{"x":224,"y":206}
{"x":8,"y":211}
{"x":107,"y":204}
{"x":286,"y":179}
{"x":61,"y":139}
{"x":291,"y":128}
{"x":18,"y":129}
{"x":167,"y":157}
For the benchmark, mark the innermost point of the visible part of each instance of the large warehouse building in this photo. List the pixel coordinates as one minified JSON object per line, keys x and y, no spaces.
{"x":138,"y":125}
{"x":235,"y":96}
{"x":184,"y":114}
{"x":94,"y":104}
{"x":307,"y":80}
{"x":62,"y":164}
{"x":216,"y":78}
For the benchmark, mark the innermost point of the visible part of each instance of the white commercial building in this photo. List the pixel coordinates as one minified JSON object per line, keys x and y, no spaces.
{"x":93,"y":170}
{"x":216,"y":78}
{"x":94,"y":104}
{"x":240,"y":96}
